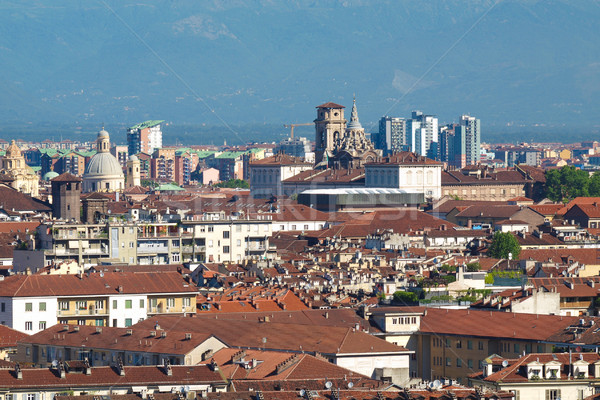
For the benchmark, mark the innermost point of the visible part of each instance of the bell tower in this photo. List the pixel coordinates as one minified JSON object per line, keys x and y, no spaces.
{"x":330,"y":125}
{"x":133,"y":172}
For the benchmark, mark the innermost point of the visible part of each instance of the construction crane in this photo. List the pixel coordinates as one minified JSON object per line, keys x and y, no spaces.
{"x":292,"y":126}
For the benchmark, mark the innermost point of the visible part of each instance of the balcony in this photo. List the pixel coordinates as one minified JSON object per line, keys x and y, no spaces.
{"x":152,"y":249}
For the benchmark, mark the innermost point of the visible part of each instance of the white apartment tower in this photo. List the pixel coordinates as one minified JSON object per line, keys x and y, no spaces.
{"x":421,"y":132}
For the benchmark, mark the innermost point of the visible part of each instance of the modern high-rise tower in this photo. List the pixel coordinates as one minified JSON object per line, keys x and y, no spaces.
{"x":392,"y":134}
{"x":144,"y":138}
{"x":472,"y":132}
{"x":421,"y":131}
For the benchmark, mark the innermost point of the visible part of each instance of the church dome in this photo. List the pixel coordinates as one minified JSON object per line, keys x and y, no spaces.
{"x":13,"y":150}
{"x":103,"y":133}
{"x":103,"y":164}
{"x":133,"y":158}
{"x":50,"y":175}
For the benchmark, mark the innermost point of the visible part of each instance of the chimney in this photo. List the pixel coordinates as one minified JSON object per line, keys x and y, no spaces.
{"x":18,"y":371}
{"x":88,"y":368}
{"x":167,"y":367}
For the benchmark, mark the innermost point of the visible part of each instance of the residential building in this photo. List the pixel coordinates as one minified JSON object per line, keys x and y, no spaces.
{"x":133,"y":346}
{"x":162,"y":165}
{"x":266,"y":175}
{"x":32,"y":303}
{"x":407,"y":171}
{"x":296,"y":147}
{"x":470,"y":127}
{"x":421,"y":131}
{"x":216,"y":239}
{"x":542,"y":376}
{"x":392,"y":134}
{"x":78,"y":380}
{"x":144,"y":137}
{"x":452,"y":343}
{"x":346,"y":347}
{"x":120,"y":152}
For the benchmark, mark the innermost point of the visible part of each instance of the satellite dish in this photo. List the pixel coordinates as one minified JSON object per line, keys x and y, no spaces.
{"x":328,"y":385}
{"x":54,"y":363}
{"x":505,"y":363}
{"x":437,"y":384}
{"x":431,"y":385}
{"x":302,"y":392}
{"x":350,"y":385}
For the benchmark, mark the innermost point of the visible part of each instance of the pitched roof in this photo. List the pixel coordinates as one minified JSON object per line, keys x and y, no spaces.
{"x":95,"y":284}
{"x":119,"y":339}
{"x":278,"y":336}
{"x":109,"y":376}
{"x":491,"y":324}
{"x":330,"y":105}
{"x":66,"y":177}
{"x":405,"y":158}
{"x":280,"y":159}
{"x":9,"y":337}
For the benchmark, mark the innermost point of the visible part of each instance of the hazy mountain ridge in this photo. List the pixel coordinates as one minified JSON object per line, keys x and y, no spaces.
{"x":525,"y":62}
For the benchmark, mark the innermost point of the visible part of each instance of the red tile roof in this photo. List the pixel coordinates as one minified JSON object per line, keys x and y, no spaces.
{"x":94,"y":284}
{"x":330,"y":105}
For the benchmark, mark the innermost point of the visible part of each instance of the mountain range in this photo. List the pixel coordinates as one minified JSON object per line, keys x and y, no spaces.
{"x":518,"y":65}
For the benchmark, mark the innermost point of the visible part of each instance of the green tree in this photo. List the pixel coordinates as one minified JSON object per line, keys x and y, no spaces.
{"x":473,"y":267}
{"x":405,"y":297}
{"x":567,"y":183}
{"x":594,"y":187}
{"x":502,"y":244}
{"x":233,"y":183}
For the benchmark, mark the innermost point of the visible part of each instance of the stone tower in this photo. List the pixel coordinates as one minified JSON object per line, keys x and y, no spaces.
{"x":66,"y":192}
{"x":330,"y":125}
{"x":133,"y":172}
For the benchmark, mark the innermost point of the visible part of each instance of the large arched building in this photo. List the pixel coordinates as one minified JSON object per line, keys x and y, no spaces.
{"x":103,"y":173}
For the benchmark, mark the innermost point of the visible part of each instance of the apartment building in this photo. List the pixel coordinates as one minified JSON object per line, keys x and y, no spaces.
{"x":31,"y":303}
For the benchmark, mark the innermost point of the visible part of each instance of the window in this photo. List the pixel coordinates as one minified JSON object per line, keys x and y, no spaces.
{"x":114,"y":304}
{"x":141,"y":303}
{"x":470,"y":344}
{"x":470,"y":363}
{"x":459,"y":344}
{"x":42,"y":325}
{"x":81,"y":322}
{"x":99,"y":322}
{"x":211,"y":228}
{"x":3,"y":307}
{"x":552,"y":394}
{"x":28,"y":350}
{"x":128,"y":304}
{"x":238,"y":242}
{"x":28,"y":306}
{"x":225,"y":234}
{"x":447,"y":342}
{"x":306,"y":227}
{"x":516,"y":347}
{"x":480,"y":345}
{"x":226,"y":249}
{"x":28,"y":325}
{"x":186,"y":302}
{"x":128,"y":322}
{"x":238,"y":228}
{"x":42,"y":306}
{"x":81,"y":305}
{"x":458,"y":362}
{"x":448,"y":361}
{"x":210,"y":243}
{"x":99,"y":304}
{"x":171,"y":302}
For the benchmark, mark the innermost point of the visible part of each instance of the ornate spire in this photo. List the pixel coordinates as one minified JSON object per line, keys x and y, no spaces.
{"x":354,"y":123}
